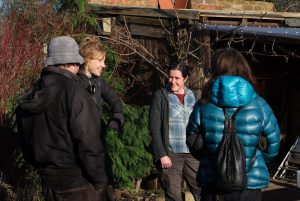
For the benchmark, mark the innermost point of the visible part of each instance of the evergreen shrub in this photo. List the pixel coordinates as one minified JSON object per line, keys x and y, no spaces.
{"x":129,"y":148}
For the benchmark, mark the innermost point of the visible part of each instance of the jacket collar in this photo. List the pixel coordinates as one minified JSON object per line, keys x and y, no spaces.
{"x":60,"y":71}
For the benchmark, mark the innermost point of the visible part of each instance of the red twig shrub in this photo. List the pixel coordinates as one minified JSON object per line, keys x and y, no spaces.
{"x":25,"y":29}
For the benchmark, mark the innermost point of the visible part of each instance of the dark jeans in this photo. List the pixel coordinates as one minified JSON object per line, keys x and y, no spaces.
{"x":246,"y":195}
{"x":82,"y":193}
{"x":184,"y":166}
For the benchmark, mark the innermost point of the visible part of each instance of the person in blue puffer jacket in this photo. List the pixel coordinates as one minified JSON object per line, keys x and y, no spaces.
{"x":232,"y":87}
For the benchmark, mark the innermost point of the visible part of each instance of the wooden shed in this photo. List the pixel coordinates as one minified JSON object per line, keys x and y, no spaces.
{"x":194,"y":29}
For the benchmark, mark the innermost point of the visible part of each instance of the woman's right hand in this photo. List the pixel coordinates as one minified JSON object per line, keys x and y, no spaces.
{"x":166,"y":162}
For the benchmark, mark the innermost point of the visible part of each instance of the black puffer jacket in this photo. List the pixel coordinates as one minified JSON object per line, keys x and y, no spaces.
{"x":59,"y":125}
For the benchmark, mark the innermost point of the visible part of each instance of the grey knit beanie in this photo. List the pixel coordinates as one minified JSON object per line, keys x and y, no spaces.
{"x":63,"y":50}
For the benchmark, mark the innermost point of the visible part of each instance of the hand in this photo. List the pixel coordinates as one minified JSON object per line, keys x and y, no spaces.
{"x":110,"y":193}
{"x":113,"y":124}
{"x":166,"y":162}
{"x":263,"y":143}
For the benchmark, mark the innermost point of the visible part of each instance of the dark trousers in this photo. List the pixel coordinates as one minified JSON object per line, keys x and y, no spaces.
{"x":108,"y":168}
{"x":82,"y":193}
{"x":184,"y":166}
{"x":246,"y":195}
{"x":108,"y":165}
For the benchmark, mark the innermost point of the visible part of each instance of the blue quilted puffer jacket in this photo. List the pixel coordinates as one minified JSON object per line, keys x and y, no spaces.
{"x":255,"y":118}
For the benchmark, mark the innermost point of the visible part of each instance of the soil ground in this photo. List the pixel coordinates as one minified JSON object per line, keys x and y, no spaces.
{"x":278,"y":191}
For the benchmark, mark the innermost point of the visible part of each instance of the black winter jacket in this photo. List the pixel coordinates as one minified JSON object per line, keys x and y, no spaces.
{"x":102,"y":92}
{"x":60,"y":129}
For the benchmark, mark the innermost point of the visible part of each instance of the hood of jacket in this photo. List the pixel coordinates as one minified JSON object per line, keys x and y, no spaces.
{"x":231,"y":91}
{"x":44,"y":91}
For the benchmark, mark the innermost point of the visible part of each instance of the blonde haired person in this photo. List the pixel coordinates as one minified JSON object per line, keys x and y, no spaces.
{"x":90,"y":73}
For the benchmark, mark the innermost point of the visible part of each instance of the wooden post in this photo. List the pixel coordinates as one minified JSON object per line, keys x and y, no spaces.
{"x":205,"y":51}
{"x":199,"y":77}
{"x":154,"y":184}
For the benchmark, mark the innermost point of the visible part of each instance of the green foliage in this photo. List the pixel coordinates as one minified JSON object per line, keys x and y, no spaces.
{"x":28,"y":187}
{"x":111,"y":59}
{"x":128,"y":149}
{"x":79,"y":13}
{"x":110,"y":74}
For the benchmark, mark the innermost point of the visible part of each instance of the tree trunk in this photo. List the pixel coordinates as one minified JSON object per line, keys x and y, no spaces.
{"x":137,"y":185}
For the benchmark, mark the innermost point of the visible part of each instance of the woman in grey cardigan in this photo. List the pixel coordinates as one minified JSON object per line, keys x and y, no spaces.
{"x":169,"y":114}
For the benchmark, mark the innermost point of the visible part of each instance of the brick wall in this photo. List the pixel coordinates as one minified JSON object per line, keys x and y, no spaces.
{"x":228,"y":5}
{"x":234,"y":5}
{"x":134,"y":3}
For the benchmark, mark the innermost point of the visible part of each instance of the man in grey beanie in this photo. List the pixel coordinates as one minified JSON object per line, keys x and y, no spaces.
{"x":59,"y":125}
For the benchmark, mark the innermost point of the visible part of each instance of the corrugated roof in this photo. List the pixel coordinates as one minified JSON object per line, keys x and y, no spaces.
{"x":281,"y":32}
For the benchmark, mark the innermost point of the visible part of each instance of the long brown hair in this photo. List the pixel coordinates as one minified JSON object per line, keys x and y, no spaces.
{"x":228,"y":61}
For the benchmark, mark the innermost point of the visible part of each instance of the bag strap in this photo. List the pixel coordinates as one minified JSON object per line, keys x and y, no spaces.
{"x":233,"y":115}
{"x":229,"y":123}
{"x":230,"y":126}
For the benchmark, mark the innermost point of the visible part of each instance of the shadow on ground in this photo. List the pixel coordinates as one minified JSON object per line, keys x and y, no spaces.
{"x":281,"y":192}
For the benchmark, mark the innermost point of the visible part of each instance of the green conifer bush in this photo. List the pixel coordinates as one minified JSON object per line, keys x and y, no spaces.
{"x":129,"y":148}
